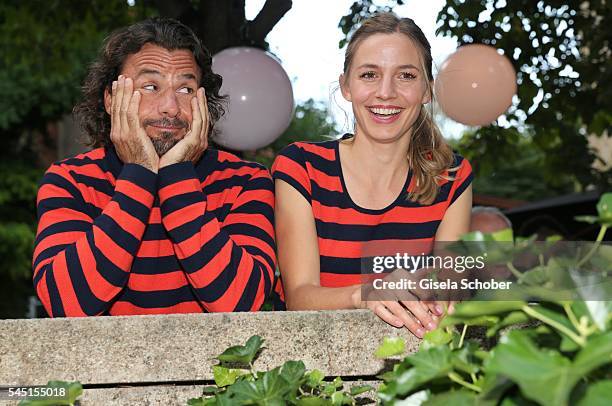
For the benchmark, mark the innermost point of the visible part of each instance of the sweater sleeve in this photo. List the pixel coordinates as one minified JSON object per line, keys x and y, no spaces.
{"x":82,"y":263}
{"x":230,"y":265}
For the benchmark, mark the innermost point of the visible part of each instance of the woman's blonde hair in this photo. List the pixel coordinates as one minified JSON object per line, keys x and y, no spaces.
{"x":429,"y":156}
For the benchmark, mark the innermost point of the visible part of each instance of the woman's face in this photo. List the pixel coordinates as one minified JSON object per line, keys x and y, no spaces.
{"x":386,"y":86}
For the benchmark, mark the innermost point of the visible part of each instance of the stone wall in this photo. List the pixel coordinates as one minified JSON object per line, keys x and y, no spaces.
{"x":166,"y":359}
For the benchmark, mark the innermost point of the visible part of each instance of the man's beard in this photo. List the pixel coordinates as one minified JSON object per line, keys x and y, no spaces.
{"x":166,"y":139}
{"x":164,"y":142}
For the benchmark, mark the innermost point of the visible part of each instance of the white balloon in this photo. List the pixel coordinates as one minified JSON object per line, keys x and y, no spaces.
{"x":260,"y":98}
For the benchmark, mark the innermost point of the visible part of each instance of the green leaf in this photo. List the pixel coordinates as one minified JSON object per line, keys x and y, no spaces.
{"x":390,"y":346}
{"x":544,"y":376}
{"x":515,"y":317}
{"x":271,"y":389}
{"x":226,"y":376}
{"x":604,"y":209}
{"x":596,"y":353}
{"x":242,"y":354}
{"x":455,"y":398}
{"x":597,"y":394}
{"x":463,"y":359}
{"x":196,"y":402}
{"x":473,"y":309}
{"x":359,"y":389}
{"x":427,"y":365}
{"x":314,"y":378}
{"x":313,"y":401}
{"x":337,"y":398}
{"x":438,"y":336}
{"x":293,"y":372}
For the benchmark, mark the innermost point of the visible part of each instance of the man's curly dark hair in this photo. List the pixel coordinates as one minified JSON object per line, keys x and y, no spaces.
{"x":164,"y":32}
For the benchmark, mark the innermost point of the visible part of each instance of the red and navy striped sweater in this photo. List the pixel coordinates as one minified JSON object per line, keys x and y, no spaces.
{"x":344,"y":229}
{"x":118,"y":239}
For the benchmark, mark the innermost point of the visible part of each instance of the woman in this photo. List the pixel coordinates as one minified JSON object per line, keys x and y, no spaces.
{"x":394,"y":180}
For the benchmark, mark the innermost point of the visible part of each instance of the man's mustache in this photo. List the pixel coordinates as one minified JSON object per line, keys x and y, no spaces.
{"x":166,"y":122}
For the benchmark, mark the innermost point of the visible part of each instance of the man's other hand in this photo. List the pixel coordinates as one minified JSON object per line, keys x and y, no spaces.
{"x":195,"y":142}
{"x":129,"y":138}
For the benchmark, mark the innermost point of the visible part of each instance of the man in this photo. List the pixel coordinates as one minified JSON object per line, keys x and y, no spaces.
{"x":152,"y":221}
{"x":488,"y":220}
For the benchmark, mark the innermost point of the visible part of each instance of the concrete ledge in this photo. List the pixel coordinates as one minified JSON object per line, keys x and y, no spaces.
{"x":182,"y":348}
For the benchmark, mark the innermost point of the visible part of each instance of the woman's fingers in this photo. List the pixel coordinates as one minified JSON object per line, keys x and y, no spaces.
{"x":381,"y":311}
{"x":421,"y":312}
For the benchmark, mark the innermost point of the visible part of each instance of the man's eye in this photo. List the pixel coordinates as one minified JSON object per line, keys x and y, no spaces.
{"x":186,"y":90}
{"x":149,"y":87}
{"x":407,"y":76}
{"x":368,"y":75}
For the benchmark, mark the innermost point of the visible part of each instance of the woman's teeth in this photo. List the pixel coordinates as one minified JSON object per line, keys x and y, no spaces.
{"x":385,"y":112}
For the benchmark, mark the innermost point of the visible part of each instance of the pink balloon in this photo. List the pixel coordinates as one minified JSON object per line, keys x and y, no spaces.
{"x":260,"y":98}
{"x":475,"y":85}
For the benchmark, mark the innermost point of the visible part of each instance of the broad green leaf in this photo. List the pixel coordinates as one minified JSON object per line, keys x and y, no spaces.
{"x":292,"y":372}
{"x":243,"y":354}
{"x":202,"y":402}
{"x":338,"y":399}
{"x":597,"y":394}
{"x":427,"y":364}
{"x":515,"y":317}
{"x":226,"y":376}
{"x":460,"y":397}
{"x":494,"y":387}
{"x":390,"y":346}
{"x":313,"y":401}
{"x":469,"y":321}
{"x":462,"y":359}
{"x":269,"y":390}
{"x":207,"y":390}
{"x":329,"y":389}
{"x":557,"y":317}
{"x":337,"y":382}
{"x":438,"y":336}
{"x":359,"y":389}
{"x":542,"y":375}
{"x":314,"y":378}
{"x":474,"y":309}
{"x":596,"y":353}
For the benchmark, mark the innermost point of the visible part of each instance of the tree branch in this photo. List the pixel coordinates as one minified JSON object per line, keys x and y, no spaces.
{"x":270,"y":14}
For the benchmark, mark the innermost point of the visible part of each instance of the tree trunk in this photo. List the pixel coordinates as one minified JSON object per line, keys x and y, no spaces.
{"x":222,"y":24}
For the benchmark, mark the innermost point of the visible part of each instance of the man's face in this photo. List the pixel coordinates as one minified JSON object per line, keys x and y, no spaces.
{"x":167,"y":81}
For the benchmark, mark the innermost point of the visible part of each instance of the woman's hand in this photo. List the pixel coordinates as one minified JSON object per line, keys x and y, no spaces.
{"x":417,"y":316}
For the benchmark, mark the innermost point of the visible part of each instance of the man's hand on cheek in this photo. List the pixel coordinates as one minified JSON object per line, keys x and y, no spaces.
{"x":195,"y":142}
{"x":127,"y":135}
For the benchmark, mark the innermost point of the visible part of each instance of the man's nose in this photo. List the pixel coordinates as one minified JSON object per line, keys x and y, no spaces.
{"x":386,"y":88}
{"x":168,"y":103}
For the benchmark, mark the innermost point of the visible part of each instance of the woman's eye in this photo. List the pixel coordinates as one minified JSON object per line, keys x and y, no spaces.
{"x":186,"y":90}
{"x":368,"y":75}
{"x":407,"y":76}
{"x":149,"y":87}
